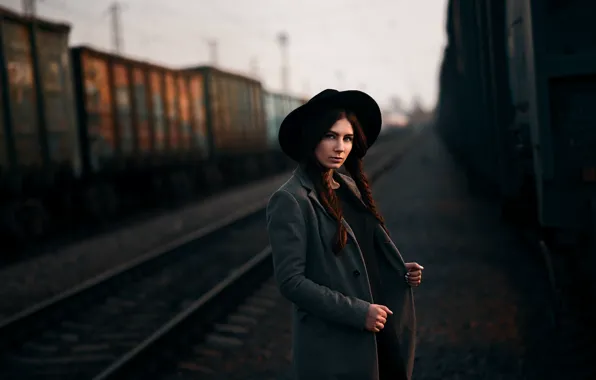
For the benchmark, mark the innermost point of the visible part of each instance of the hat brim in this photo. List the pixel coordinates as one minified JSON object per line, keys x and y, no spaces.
{"x":362,"y":105}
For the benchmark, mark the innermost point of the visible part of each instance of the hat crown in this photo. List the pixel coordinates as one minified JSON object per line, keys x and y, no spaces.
{"x":361,"y":104}
{"x":328,"y":93}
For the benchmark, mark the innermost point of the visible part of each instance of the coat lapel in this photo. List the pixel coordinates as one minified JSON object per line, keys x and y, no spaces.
{"x":387,"y":246}
{"x":312,"y":194}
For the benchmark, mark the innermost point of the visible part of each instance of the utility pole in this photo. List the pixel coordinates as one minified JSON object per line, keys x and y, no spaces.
{"x":213,"y":52}
{"x":29,"y":7}
{"x":340,"y":79}
{"x":282,"y":39}
{"x":115,"y":10}
{"x":306,"y":88}
{"x":254,"y":67}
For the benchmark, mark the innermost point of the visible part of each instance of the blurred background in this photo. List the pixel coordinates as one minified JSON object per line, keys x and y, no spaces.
{"x":128,"y":106}
{"x":138,"y":150}
{"x":390,"y":49}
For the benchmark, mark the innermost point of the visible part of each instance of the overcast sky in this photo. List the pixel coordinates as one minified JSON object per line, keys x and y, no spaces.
{"x":385,"y":47}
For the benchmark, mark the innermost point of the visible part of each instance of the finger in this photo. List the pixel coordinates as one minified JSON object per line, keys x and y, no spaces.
{"x":386,"y":309}
{"x":414,"y":274}
{"x":382,"y":320}
{"x":379,"y":326}
{"x":414,"y":266}
{"x":375,"y":330}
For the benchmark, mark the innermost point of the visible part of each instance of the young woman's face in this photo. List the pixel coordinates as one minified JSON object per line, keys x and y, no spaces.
{"x":336,"y":144}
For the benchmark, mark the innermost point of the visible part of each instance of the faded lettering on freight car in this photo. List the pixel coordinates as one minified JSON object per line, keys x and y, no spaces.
{"x":140,"y":99}
{"x":260,"y":127}
{"x":271,"y":119}
{"x":199,"y":113}
{"x":123,"y":112}
{"x":172,"y":112}
{"x":158,"y":111}
{"x":55,"y":76}
{"x":23,"y":106}
{"x":100,"y":126}
{"x":3,"y":141}
{"x":184,"y":104}
{"x":214,"y":103}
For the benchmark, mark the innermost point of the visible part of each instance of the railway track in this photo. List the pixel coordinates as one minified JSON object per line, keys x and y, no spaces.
{"x":113,"y":326}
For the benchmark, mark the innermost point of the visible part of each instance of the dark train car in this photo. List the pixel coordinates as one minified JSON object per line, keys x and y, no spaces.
{"x":39,"y":156}
{"x":552,"y":62}
{"x":475,"y":107}
{"x":516,"y":83}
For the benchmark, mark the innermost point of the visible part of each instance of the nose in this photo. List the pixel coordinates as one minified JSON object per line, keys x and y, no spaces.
{"x":339,"y":147}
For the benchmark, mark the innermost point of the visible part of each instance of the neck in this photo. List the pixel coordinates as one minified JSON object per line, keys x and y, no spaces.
{"x":332,"y":182}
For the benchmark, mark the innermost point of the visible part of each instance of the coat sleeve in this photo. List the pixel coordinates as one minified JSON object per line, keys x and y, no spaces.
{"x":288,"y":238}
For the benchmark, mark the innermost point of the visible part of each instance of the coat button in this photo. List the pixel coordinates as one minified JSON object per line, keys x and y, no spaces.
{"x":356,"y":273}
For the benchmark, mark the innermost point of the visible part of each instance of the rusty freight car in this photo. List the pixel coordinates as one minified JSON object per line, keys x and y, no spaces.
{"x":39,"y":156}
{"x":143,"y":131}
{"x":235,"y":117}
{"x":89,"y":136}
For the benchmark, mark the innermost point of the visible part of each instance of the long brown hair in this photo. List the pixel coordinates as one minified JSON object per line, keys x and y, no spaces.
{"x":321,"y":176}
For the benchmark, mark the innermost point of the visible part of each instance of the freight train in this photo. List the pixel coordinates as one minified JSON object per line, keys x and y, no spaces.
{"x":87,"y":136}
{"x":517,"y":108}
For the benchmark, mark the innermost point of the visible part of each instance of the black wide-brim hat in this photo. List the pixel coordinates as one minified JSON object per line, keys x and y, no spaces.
{"x":362,"y":105}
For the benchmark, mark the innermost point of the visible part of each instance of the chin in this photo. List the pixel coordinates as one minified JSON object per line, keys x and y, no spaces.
{"x":333,"y":165}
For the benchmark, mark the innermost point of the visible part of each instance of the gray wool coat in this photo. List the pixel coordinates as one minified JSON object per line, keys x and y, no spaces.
{"x":331,"y":294}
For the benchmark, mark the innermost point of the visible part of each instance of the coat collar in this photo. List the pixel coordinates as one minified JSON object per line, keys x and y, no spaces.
{"x":344,"y":180}
{"x":395,"y":259}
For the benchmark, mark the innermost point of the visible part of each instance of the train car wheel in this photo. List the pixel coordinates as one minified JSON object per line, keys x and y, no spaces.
{"x":92,"y":204}
{"x":212,"y":178}
{"x":34,"y":218}
{"x":180,"y":186}
{"x":12,"y":232}
{"x":109,"y":200}
{"x":251,"y":169}
{"x":268,"y":165}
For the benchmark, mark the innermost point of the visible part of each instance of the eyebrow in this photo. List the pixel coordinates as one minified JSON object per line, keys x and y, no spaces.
{"x":347,"y":134}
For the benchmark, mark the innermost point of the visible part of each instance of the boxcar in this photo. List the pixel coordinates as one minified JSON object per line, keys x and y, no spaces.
{"x":142,"y":129}
{"x":278,"y":106}
{"x":39,"y":156}
{"x":517,"y":81}
{"x":552,"y":62}
{"x":87,"y":135}
{"x":235,"y":117}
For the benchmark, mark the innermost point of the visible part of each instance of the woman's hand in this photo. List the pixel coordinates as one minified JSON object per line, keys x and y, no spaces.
{"x":414,"y":275}
{"x":376,"y":317}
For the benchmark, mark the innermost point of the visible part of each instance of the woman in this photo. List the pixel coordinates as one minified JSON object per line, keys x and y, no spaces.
{"x":333,"y":258}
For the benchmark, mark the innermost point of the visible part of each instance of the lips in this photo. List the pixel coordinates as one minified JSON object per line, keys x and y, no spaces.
{"x":336,"y":158}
